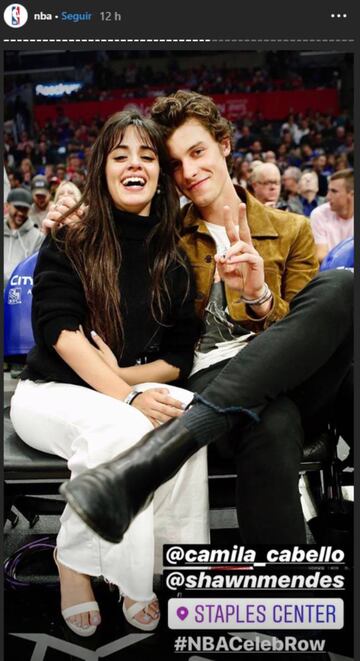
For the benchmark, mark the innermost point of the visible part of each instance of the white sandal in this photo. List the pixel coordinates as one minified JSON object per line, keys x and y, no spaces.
{"x":77,"y":609}
{"x":134,"y":609}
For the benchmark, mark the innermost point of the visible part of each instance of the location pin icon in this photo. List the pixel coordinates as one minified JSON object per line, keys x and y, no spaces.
{"x":182,"y":613}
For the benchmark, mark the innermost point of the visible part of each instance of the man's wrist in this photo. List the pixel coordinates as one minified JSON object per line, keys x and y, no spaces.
{"x":260,"y":312}
{"x":264,"y":296}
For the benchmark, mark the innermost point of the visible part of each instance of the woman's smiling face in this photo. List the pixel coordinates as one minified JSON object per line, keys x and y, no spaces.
{"x":132,"y":172}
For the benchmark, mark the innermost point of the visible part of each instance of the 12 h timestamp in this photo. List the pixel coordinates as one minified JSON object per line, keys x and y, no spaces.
{"x":110,"y":16}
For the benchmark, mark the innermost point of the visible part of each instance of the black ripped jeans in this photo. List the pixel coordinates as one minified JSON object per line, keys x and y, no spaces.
{"x":312,"y":348}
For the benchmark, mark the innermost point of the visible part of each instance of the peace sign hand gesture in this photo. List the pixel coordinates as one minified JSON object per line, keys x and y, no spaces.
{"x":241,"y":267}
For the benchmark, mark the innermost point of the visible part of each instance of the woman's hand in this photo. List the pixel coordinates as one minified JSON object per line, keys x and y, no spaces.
{"x":158,"y":405}
{"x":155,"y":403}
{"x":105,"y":352}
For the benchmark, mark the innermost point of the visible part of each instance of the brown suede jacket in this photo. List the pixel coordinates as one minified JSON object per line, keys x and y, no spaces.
{"x":283,"y":239}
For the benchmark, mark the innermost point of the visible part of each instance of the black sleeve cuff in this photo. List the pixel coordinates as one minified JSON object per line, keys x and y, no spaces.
{"x":182,"y":361}
{"x":53,"y":328}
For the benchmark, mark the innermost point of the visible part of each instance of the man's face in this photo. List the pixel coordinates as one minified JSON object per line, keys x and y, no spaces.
{"x":307,"y":151}
{"x":199,"y":163}
{"x":14,"y":183}
{"x":290,"y":184}
{"x":17,"y":215}
{"x":320,"y":162}
{"x":338,"y":197}
{"x":270,"y":157}
{"x":74,"y":163}
{"x":268,"y":185}
{"x":256,"y":147}
{"x":41,"y":200}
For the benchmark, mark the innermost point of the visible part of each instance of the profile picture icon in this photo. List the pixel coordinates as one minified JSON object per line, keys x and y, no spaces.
{"x":15,"y":16}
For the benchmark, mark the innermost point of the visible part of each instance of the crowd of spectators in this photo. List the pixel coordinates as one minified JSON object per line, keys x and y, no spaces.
{"x":139,"y":82}
{"x":224,"y":79}
{"x":313,"y":140}
{"x":307,"y":149}
{"x":298,"y":140}
{"x":100,"y":80}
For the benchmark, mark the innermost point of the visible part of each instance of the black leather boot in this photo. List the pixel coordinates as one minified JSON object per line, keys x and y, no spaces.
{"x":109,"y":496}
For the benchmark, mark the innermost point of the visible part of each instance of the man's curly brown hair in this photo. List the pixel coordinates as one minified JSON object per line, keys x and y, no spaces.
{"x":172,"y":111}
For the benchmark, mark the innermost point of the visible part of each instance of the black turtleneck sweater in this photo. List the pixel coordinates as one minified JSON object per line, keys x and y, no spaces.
{"x":59,"y":304}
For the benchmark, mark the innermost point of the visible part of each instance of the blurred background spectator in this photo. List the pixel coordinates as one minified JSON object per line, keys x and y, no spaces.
{"x":15,"y":178}
{"x":266,"y":183}
{"x":290,"y":183}
{"x":319,"y":165}
{"x":241,"y":172}
{"x":40,"y":190}
{"x":67,"y":188}
{"x":6,"y":186}
{"x":307,"y":199}
{"x":28,"y":171}
{"x":21,"y":237}
{"x":334,"y":221}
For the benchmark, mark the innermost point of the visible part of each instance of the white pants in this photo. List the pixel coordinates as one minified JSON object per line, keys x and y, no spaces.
{"x":88,"y":428}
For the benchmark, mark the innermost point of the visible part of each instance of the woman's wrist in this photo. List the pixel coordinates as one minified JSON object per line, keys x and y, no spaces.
{"x":131,"y":396}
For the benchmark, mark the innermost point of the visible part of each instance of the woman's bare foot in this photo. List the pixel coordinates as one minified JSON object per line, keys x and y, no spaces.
{"x":150,"y":612}
{"x":76,"y":589}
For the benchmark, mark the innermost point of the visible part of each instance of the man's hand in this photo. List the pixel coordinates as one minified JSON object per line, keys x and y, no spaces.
{"x":241,"y":268}
{"x":63,"y":205}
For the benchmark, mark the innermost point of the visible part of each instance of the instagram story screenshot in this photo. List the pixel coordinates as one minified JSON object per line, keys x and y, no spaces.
{"x":178,"y":293}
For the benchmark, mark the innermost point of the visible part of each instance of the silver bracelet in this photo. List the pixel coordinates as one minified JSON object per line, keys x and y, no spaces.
{"x":131,"y":396}
{"x":265,"y":296}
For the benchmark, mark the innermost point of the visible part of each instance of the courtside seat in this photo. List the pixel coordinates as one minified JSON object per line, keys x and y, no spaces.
{"x":30,"y":478}
{"x":30,"y":474}
{"x":21,"y":462}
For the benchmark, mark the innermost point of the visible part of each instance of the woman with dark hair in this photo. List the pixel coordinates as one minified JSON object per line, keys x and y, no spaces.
{"x":113,"y":320}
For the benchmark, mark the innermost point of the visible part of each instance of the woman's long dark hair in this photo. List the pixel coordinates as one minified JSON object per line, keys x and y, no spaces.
{"x":92,"y":244}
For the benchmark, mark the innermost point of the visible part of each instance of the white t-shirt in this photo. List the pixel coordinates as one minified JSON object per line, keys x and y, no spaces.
{"x":223,"y":337}
{"x":328,"y":227}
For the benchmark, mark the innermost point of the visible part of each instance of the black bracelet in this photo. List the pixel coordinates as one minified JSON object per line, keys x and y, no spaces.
{"x":131,"y":396}
{"x":138,"y":392}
